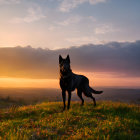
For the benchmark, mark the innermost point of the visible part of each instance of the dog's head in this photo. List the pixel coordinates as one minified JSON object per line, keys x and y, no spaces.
{"x":64,"y":64}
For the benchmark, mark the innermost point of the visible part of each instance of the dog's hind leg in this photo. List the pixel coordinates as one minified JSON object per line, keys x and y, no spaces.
{"x":94,"y":101}
{"x":69,"y":98}
{"x":88,"y":93}
{"x":79,"y":93}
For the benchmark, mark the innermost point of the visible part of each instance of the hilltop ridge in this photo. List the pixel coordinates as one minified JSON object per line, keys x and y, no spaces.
{"x":108,"y":120}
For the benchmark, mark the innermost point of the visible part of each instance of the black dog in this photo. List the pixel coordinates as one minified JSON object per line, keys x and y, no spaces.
{"x":70,"y":81}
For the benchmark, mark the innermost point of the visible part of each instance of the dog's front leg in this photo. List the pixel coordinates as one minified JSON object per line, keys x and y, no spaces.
{"x":69,"y":98}
{"x":64,"y":98}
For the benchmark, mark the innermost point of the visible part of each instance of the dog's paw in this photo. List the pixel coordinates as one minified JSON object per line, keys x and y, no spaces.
{"x":64,"y":109}
{"x":68,"y":108}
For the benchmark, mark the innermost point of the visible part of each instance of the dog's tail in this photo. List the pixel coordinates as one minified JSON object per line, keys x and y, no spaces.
{"x":95,"y":91}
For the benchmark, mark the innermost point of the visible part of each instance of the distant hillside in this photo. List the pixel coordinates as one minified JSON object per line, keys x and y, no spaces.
{"x":108,"y":120}
{"x":33,"y":95}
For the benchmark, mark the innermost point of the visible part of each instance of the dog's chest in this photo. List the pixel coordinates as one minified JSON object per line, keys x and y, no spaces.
{"x":70,"y":83}
{"x":65,"y":82}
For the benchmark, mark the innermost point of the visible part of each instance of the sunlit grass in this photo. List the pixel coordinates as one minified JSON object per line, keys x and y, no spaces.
{"x":108,"y":120}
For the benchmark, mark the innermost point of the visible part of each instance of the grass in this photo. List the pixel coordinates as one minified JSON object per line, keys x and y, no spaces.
{"x":107,"y":121}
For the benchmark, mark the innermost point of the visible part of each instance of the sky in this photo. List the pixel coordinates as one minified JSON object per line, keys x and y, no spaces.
{"x":58,"y":24}
{"x":101,"y":36}
{"x":110,"y":64}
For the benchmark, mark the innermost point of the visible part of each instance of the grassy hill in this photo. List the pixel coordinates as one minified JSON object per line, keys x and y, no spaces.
{"x":108,"y":120}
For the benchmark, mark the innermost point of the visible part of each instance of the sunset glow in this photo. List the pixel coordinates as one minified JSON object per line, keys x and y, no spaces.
{"x":96,"y":80}
{"x":28,"y":83}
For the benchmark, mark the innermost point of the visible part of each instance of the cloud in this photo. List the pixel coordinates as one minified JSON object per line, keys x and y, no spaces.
{"x":9,"y":2}
{"x":114,"y":57}
{"x":76,"y":19}
{"x":84,"y":40}
{"x":70,"y":20}
{"x":105,"y":28}
{"x":52,"y":28}
{"x":93,"y":19}
{"x":33,"y":14}
{"x":96,"y":1}
{"x":67,"y":5}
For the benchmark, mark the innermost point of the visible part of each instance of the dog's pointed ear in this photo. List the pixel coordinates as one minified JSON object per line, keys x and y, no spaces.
{"x":60,"y":59}
{"x":68,"y":58}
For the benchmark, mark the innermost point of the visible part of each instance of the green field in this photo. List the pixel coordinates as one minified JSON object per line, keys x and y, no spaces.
{"x":108,"y":120}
